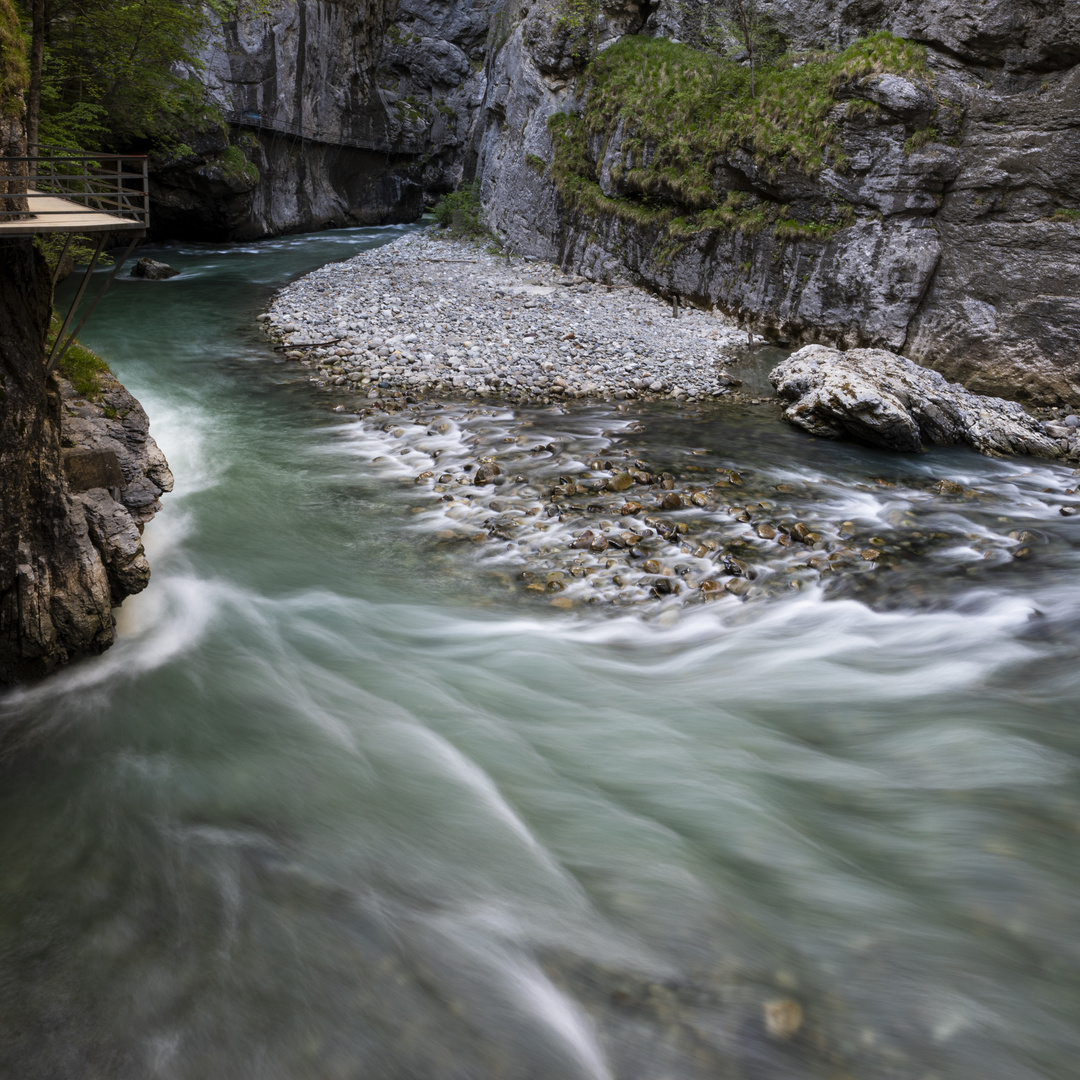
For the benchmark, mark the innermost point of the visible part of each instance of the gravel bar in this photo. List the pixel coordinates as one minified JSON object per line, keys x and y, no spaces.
{"x":425,"y":314}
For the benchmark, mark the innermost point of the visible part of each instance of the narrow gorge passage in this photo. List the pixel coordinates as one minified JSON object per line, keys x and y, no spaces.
{"x":347,"y":800}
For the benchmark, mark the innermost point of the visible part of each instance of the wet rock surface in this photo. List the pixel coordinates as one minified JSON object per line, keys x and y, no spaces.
{"x":883,"y":399}
{"x":113,"y":430}
{"x":153,"y":270}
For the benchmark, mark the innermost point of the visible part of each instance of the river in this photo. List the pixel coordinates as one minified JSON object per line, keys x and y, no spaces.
{"x":344,"y":802}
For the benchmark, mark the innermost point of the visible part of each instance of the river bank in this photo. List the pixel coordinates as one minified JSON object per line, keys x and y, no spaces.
{"x":426,"y":313}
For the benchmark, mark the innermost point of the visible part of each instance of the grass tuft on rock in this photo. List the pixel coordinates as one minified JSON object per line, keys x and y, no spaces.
{"x":679,"y":112}
{"x":82,"y":367}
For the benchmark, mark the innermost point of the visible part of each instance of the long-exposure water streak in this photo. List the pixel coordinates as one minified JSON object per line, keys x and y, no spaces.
{"x":342,"y":804}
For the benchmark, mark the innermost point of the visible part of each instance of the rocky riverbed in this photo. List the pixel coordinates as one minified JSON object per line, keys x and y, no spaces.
{"x":566,"y":507}
{"x":429,"y":314}
{"x":458,"y":364}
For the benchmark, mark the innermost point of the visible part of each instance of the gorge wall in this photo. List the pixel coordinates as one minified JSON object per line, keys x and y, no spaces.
{"x":939,"y":218}
{"x":81,"y":476}
{"x":950,"y":232}
{"x":343,"y":112}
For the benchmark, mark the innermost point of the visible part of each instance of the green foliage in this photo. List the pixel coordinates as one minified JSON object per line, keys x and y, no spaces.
{"x":538,"y":164}
{"x":113,"y":69}
{"x":857,"y":107}
{"x":80,"y":366}
{"x":735,"y":28}
{"x":14,"y":69}
{"x":79,"y":252}
{"x":789,"y":229}
{"x":459,"y":212}
{"x":693,"y":107}
{"x":1063,"y":213}
{"x":579,"y":15}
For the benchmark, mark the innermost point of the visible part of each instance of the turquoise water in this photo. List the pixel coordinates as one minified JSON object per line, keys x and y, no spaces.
{"x":338,"y":805}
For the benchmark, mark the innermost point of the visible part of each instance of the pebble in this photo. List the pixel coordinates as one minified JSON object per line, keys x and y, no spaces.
{"x":783,"y":1018}
{"x":427,"y":314}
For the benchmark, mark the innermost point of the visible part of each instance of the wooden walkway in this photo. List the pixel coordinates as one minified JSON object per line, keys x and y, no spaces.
{"x":52,"y":214}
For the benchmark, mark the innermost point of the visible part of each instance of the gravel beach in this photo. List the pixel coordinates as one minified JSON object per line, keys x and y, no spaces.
{"x":428,"y":314}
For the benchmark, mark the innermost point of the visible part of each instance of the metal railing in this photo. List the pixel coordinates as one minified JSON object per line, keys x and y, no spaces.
{"x":113,"y":184}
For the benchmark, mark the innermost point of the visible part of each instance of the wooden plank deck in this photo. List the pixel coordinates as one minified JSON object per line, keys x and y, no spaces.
{"x":51,"y":214}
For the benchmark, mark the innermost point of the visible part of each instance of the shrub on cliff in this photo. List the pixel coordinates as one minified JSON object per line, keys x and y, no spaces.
{"x":459,"y":213}
{"x":14,"y":71}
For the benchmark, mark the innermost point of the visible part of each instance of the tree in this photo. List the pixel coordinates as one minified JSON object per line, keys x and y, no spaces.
{"x":37,"y":56}
{"x":724,"y":26}
{"x":106,"y":73}
{"x":748,"y":20}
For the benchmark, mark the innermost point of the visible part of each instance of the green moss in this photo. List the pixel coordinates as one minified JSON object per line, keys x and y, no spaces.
{"x":236,"y":167}
{"x":1064,"y":214}
{"x":536,"y":163}
{"x":81,"y":366}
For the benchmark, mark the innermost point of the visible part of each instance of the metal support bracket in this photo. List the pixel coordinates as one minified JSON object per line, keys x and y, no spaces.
{"x":62,"y":343}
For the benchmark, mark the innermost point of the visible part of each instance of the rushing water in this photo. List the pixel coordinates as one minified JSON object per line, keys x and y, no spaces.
{"x":344,"y":801}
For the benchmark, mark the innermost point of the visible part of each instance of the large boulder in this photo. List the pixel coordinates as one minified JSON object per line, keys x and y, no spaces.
{"x":878,"y":397}
{"x":152,"y":270}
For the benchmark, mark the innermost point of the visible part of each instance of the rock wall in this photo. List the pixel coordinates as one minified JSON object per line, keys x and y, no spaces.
{"x":351,"y":110}
{"x":80,"y":479}
{"x":963,"y":253}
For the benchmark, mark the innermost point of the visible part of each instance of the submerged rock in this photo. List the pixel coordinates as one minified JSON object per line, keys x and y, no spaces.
{"x":878,"y":397}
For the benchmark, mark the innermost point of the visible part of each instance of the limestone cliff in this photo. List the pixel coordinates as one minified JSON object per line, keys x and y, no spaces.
{"x":342,"y":112}
{"x":949,"y":232}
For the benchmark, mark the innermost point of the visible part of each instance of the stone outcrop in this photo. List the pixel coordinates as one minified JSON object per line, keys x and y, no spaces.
{"x":883,"y":399}
{"x":153,"y":270}
{"x":115,"y":472}
{"x":70,"y":546}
